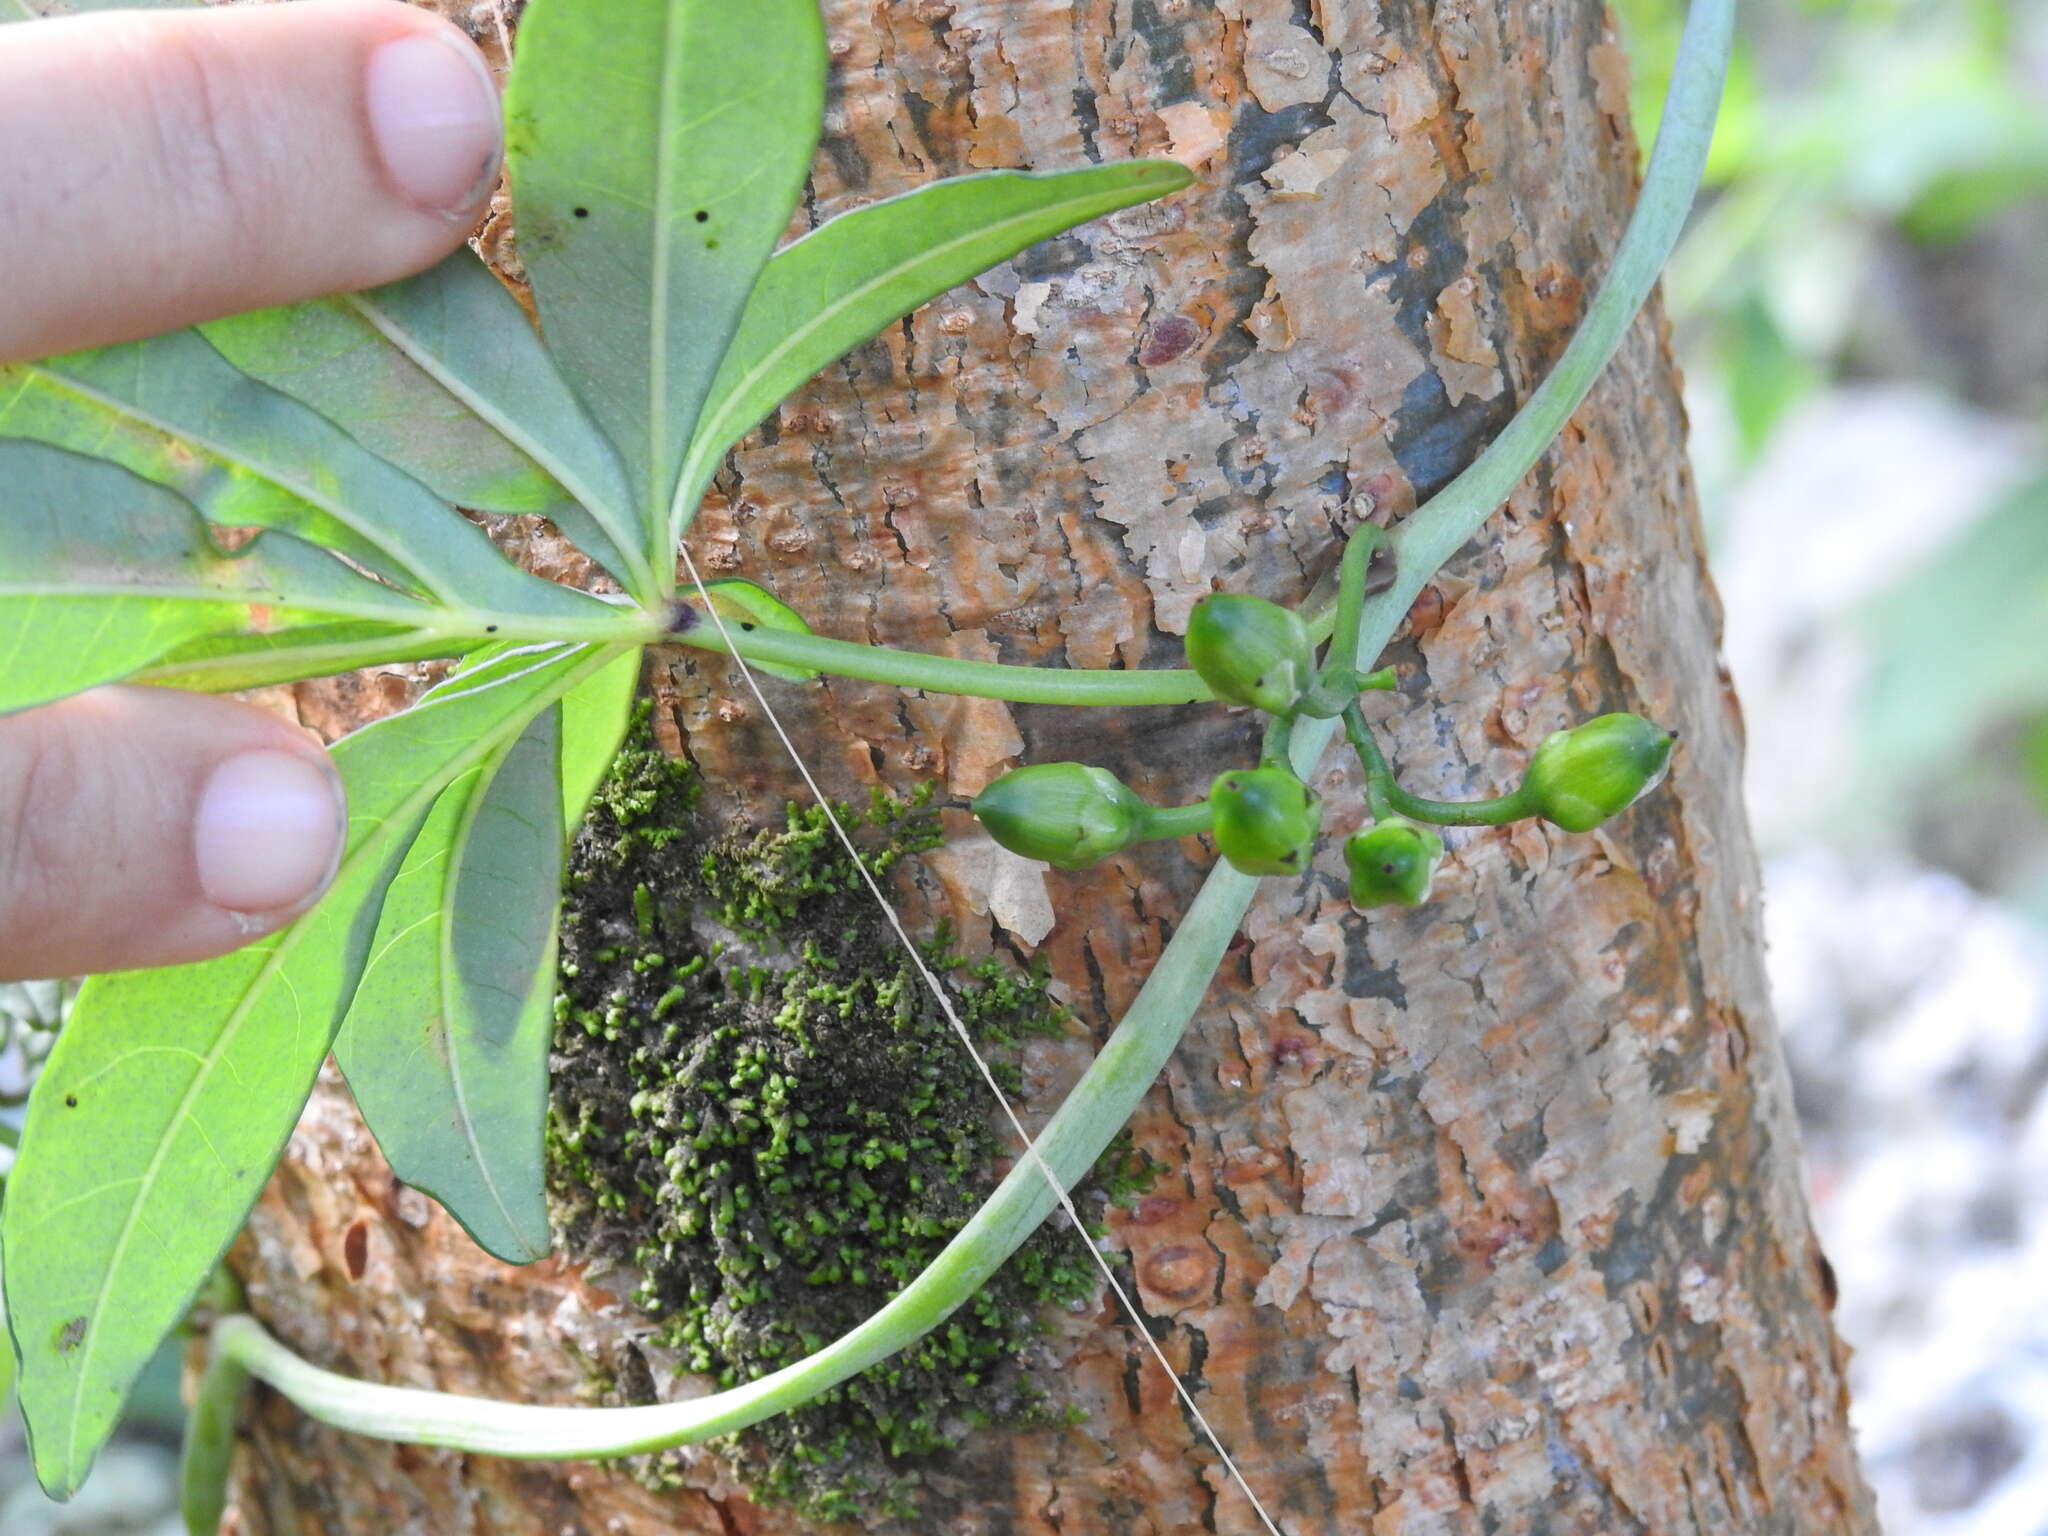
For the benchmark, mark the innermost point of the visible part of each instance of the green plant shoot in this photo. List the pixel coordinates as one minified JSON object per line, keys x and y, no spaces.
{"x":345,"y":434}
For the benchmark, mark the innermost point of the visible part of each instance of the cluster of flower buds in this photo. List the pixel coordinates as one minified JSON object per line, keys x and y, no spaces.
{"x":1264,"y":820}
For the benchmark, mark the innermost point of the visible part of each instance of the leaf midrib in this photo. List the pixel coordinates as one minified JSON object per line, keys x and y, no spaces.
{"x":407,"y":615}
{"x":509,"y":427}
{"x":663,"y":258}
{"x":340,"y":511}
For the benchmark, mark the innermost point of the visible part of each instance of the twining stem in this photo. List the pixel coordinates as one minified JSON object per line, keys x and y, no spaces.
{"x":1389,"y":798}
{"x":1126,"y":1066}
{"x":1109,"y":1092}
{"x":1438,"y":530}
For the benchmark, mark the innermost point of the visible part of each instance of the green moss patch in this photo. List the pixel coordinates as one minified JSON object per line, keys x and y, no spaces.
{"x":759,"y":1109}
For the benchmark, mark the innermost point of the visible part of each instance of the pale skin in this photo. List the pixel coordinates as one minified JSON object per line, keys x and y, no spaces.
{"x":158,"y":170}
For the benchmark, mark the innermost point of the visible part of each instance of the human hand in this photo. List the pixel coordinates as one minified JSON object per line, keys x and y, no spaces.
{"x":156,"y":170}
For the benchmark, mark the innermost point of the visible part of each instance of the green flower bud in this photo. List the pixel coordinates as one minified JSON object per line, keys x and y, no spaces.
{"x":1264,"y":820}
{"x":1580,"y":777}
{"x":1392,"y":863}
{"x":1251,"y":651}
{"x":1068,"y":814}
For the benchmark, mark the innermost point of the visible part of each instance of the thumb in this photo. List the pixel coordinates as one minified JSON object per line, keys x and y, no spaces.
{"x":140,"y":826}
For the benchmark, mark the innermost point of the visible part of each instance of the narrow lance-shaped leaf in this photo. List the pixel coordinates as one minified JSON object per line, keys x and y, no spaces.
{"x":446,"y":1044}
{"x":170,"y":1092}
{"x":102,"y":574}
{"x":38,"y":407}
{"x":443,"y":376}
{"x":841,"y":284}
{"x":178,"y":384}
{"x":594,"y":719}
{"x":656,"y":153}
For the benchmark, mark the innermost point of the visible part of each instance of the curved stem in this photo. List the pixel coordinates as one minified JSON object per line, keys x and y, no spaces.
{"x":1438,"y":530}
{"x":945,"y":674}
{"x":1336,"y":683}
{"x":1379,"y":778}
{"x":1070,"y":1143}
{"x":1110,"y":1090}
{"x":1389,"y":798}
{"x":1496,"y":812}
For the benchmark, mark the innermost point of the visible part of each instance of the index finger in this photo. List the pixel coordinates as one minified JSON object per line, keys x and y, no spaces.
{"x":162,"y":168}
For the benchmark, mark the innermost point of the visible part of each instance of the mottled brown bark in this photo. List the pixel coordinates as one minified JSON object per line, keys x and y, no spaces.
{"x":1485,"y":1217}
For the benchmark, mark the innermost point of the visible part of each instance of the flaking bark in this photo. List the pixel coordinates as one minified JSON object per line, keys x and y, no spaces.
{"x":1484,"y":1217}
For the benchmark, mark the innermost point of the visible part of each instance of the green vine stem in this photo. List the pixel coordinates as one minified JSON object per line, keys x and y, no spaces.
{"x":1389,"y":798}
{"x":944,"y":674}
{"x":1336,"y":685}
{"x":1135,"y":1053}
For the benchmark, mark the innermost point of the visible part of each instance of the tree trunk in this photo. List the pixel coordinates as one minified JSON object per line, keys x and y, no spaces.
{"x":1484,"y":1217}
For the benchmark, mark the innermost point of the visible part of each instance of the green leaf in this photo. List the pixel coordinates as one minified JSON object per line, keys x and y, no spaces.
{"x":842,"y":283}
{"x":594,"y":719}
{"x":443,"y":376}
{"x":38,"y":407}
{"x":656,"y":153}
{"x":446,"y":1044}
{"x":102,"y":574}
{"x":1955,"y":648}
{"x":745,"y":606}
{"x":180,"y":386}
{"x":170,"y":1093}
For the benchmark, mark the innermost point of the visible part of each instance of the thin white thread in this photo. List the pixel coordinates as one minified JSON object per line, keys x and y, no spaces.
{"x":945,"y":1003}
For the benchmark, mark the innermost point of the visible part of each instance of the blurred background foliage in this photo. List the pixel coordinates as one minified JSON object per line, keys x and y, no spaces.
{"x":1861,"y":307}
{"x":1861,"y":310}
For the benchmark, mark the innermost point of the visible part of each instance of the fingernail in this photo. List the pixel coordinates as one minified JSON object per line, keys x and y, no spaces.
{"x":269,"y":832}
{"x":435,"y":116}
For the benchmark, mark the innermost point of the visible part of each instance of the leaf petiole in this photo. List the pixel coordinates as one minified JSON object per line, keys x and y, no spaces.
{"x":940,"y":674}
{"x":1168,"y":821}
{"x":1388,"y":798}
{"x":1337,"y":683}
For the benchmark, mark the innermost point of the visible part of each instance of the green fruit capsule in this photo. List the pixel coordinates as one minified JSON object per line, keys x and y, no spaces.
{"x":1392,"y":864}
{"x":1068,"y":814}
{"x":1251,"y":651}
{"x":1580,"y":777}
{"x":1264,"y":820}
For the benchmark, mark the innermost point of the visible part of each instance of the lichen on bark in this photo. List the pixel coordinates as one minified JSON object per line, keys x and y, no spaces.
{"x":760,"y":1115}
